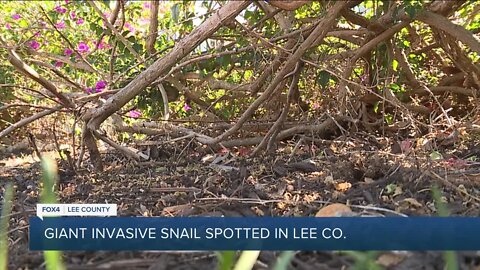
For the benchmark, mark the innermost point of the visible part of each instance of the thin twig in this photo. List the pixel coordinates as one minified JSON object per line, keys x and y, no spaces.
{"x":68,"y":41}
{"x":28,"y":120}
{"x":448,"y":183}
{"x":115,"y":31}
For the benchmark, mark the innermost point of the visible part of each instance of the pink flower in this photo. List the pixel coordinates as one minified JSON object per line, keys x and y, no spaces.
{"x":457,"y":163}
{"x":37,"y":34}
{"x":102,"y":45}
{"x":73,"y":15}
{"x":66,"y":2}
{"x":68,"y":51}
{"x":134,"y":114}
{"x":80,"y":21}
{"x":129,"y":27}
{"x":34,"y":45}
{"x":144,"y":21}
{"x":16,"y":16}
{"x":83,"y":47}
{"x":147,"y":5}
{"x":60,"y":9}
{"x":58,"y":64}
{"x":100,"y":86}
{"x":186,"y":107}
{"x":363,"y":78}
{"x":60,"y":25}
{"x":89,"y":90}
{"x":8,"y":26}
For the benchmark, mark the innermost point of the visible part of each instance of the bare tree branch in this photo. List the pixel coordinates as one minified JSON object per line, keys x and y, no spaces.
{"x":115,"y":31}
{"x":288,"y":5}
{"x":153,"y":28}
{"x":343,"y":87}
{"x":181,"y":49}
{"x":456,"y":31}
{"x":21,"y":66}
{"x":318,"y":33}
{"x":28,"y":120}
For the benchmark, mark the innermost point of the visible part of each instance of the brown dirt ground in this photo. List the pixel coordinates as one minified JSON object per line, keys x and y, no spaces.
{"x":362,"y":173}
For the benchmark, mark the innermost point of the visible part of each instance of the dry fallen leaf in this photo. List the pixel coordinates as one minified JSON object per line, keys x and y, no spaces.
{"x":411,"y":201}
{"x":281,"y":206}
{"x":335,"y":210}
{"x":390,"y":259}
{"x":344,"y":186}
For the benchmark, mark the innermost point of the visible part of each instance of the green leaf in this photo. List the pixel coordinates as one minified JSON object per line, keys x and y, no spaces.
{"x":96,"y":28}
{"x":413,"y":7}
{"x":411,"y":11}
{"x":223,"y":60}
{"x":175,"y":10}
{"x":390,"y":189}
{"x":395,"y":65}
{"x":389,"y":118}
{"x":394,"y":87}
{"x":376,"y":107}
{"x":4,"y":218}
{"x":53,"y":258}
{"x":137,"y":47}
{"x":248,"y":14}
{"x":106,"y":3}
{"x":323,"y":78}
{"x":49,"y":179}
{"x":451,"y":262}
{"x":472,"y":158}
{"x":23,"y":23}
{"x":226,"y":260}
{"x":283,"y":261}
{"x":247,"y":260}
{"x":442,"y":210}
{"x":436,"y":156}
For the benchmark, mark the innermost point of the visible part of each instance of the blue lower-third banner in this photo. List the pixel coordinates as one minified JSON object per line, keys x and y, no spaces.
{"x":201,"y":233}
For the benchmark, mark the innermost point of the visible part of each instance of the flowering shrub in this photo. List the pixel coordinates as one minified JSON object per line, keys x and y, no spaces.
{"x":68,"y":52}
{"x":34,"y":45}
{"x":60,"y":25}
{"x":73,"y":38}
{"x":60,"y":9}
{"x":134,"y":114}
{"x":83,"y":47}
{"x":100,"y":86}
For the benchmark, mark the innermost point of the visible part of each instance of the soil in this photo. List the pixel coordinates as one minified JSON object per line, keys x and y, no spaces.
{"x":295,"y":181}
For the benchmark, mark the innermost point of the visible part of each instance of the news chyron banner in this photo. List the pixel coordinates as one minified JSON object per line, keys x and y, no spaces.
{"x":96,"y":227}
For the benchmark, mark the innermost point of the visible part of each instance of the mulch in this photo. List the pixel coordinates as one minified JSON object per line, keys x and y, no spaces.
{"x":295,"y":181}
